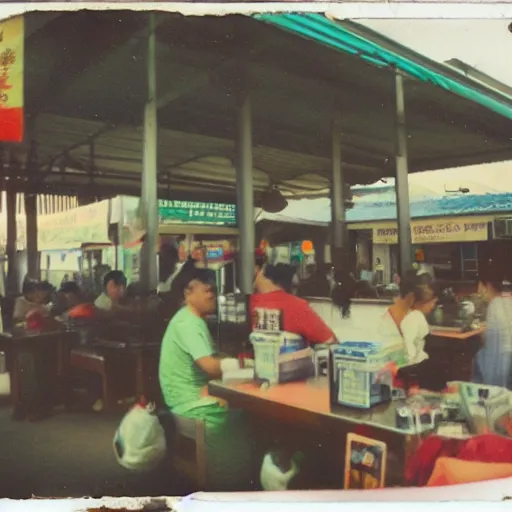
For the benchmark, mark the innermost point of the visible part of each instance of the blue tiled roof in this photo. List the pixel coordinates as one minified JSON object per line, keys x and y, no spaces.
{"x":384,"y":207}
{"x":469,"y":204}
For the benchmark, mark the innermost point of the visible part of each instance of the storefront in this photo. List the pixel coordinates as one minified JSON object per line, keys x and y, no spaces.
{"x":203,"y":230}
{"x":75,"y":242}
{"x":452,"y":246}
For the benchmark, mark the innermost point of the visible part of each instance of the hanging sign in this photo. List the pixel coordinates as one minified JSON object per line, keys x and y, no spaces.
{"x":73,"y":228}
{"x":468,"y":229}
{"x":190,"y":212}
{"x":11,"y":79}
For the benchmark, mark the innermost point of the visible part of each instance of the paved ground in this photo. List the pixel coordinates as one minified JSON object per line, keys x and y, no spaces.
{"x":70,"y":454}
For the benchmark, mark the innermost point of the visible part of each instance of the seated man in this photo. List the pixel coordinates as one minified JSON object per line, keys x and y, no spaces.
{"x":188,"y":360}
{"x":114,"y":289}
{"x":272,"y":308}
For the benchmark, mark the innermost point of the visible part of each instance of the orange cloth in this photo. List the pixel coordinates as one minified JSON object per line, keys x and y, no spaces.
{"x":451,"y":471}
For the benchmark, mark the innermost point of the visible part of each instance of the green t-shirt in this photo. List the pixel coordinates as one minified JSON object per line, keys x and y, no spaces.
{"x":186,"y":340}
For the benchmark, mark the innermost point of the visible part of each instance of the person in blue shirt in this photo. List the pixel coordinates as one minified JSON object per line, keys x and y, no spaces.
{"x":493,"y":361}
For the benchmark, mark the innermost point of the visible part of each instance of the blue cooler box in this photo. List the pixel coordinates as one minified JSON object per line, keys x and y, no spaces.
{"x":359,"y":375}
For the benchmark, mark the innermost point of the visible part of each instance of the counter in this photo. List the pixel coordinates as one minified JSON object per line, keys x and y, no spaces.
{"x":299,"y":413}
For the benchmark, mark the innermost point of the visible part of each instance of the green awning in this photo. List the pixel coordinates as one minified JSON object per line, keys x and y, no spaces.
{"x":359,"y":41}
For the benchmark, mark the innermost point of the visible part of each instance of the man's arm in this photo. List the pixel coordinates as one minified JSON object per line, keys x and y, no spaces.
{"x":211,"y":365}
{"x":313,"y":328}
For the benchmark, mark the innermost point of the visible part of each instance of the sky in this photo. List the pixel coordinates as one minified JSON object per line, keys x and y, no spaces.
{"x":483,"y":44}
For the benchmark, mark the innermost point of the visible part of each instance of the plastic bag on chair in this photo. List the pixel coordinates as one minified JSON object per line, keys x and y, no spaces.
{"x":139,"y":443}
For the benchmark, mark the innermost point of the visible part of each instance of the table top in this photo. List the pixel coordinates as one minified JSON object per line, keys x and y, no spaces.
{"x":310,"y":397}
{"x":20,"y":334}
{"x":456,"y":334}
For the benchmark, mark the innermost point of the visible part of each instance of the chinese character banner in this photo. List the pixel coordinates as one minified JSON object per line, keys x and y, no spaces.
{"x":11,"y":79}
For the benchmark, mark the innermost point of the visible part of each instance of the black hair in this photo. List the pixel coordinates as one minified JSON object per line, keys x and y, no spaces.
{"x":114,"y":275}
{"x":70,"y":287}
{"x":413,"y":283}
{"x":343,"y":290}
{"x":30,"y":286}
{"x":190,"y":272}
{"x":491,"y":277}
{"x":281,"y":275}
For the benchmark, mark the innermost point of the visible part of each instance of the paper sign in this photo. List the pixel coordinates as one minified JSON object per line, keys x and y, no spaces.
{"x":11,"y":79}
{"x":467,"y":229}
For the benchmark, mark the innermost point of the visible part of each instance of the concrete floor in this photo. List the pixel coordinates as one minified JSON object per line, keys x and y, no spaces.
{"x":70,"y":455}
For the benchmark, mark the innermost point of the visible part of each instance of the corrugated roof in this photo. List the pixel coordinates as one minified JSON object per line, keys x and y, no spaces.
{"x":87,"y":125}
{"x":373,"y":47}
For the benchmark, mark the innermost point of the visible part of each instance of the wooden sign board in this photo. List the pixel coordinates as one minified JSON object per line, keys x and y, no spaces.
{"x":365,"y":463}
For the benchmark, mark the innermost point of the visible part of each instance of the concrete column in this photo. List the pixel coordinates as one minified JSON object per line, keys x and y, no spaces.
{"x":12,"y":235}
{"x":338,"y":236}
{"x":402,"y":180}
{"x":245,"y":201}
{"x":149,"y":196}
{"x":33,"y":269}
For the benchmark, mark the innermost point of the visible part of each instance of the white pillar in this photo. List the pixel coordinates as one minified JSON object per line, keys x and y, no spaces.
{"x":245,"y":201}
{"x":402,"y":180}
{"x":149,"y":196}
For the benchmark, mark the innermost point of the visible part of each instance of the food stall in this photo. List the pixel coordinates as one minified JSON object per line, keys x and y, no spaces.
{"x":337,"y":418}
{"x":72,"y":242}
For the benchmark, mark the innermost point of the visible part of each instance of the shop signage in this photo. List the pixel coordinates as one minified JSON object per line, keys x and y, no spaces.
{"x":212,"y":250}
{"x":11,"y":79}
{"x":469,"y":229}
{"x":73,"y":228}
{"x":190,"y":212}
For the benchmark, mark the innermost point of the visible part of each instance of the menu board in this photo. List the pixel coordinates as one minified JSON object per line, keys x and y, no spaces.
{"x":365,"y":463}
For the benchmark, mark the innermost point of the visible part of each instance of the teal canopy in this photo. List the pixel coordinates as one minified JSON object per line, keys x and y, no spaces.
{"x":370,"y":46}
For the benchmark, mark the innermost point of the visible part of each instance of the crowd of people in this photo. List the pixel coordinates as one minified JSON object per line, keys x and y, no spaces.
{"x":189,"y":360}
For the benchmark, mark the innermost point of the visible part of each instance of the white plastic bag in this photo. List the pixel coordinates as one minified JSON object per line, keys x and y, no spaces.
{"x":139,"y":443}
{"x":271,"y":476}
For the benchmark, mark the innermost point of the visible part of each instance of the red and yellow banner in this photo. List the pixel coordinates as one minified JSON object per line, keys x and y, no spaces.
{"x":11,"y":79}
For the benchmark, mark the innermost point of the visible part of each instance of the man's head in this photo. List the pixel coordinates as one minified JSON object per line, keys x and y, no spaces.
{"x":274,"y":277}
{"x":32,"y":290}
{"x":416,"y":288}
{"x":114,"y":285}
{"x":197,"y":288}
{"x":70,"y":291}
{"x":489,"y":285}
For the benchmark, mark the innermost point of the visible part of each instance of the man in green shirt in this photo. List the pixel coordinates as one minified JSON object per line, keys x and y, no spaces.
{"x":188,"y":361}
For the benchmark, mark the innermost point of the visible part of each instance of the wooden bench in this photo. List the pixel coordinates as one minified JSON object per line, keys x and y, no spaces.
{"x":126,"y":372}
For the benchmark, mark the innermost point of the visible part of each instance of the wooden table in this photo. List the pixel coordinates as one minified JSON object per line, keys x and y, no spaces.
{"x":300,"y":411}
{"x":126,"y":369}
{"x":451,"y":354}
{"x":46,"y":383}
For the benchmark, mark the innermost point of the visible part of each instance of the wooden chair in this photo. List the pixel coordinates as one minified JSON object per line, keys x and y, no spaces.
{"x":189,"y":451}
{"x":92,"y":360}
